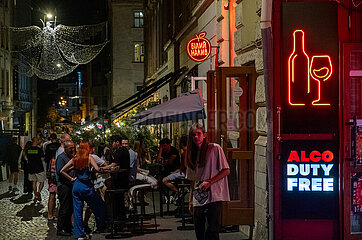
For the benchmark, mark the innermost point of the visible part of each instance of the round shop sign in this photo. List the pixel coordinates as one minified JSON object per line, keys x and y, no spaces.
{"x":238,"y":91}
{"x":199,"y":47}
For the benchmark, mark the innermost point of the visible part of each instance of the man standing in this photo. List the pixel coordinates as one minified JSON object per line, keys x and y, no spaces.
{"x":63,"y":138}
{"x":121,"y":159}
{"x":36,"y":167}
{"x":120,"y":180}
{"x":133,"y":160}
{"x":51,"y":148}
{"x":13,"y":152}
{"x":64,"y":188}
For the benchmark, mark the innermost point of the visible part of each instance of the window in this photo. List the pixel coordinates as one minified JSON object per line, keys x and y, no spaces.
{"x":139,"y":52}
{"x":138,"y":86}
{"x":138,"y":19}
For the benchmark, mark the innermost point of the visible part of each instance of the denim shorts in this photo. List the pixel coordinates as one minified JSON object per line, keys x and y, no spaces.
{"x":174,"y":176}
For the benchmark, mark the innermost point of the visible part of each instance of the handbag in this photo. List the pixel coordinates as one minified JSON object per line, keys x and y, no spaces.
{"x":200,"y":195}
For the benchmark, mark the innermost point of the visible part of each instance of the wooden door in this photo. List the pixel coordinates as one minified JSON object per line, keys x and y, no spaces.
{"x":231,"y":123}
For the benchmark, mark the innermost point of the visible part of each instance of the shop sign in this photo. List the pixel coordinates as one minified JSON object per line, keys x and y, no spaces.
{"x":309,"y":97}
{"x":310,"y":179}
{"x":199,"y":47}
{"x":309,"y":70}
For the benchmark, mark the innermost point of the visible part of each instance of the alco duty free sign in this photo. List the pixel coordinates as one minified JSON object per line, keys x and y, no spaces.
{"x":310,"y":182}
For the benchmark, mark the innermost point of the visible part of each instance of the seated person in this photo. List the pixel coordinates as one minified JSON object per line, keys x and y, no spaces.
{"x":179,"y":173}
{"x":168,"y":156}
{"x":136,"y":173}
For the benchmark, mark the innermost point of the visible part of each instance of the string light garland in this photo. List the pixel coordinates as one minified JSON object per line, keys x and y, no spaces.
{"x":51,"y":53}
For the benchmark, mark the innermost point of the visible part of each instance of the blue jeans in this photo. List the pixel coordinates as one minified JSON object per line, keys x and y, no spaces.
{"x":84,"y":191}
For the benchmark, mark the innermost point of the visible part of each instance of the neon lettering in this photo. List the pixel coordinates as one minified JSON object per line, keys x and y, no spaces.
{"x":315,"y":156}
{"x":199,"y":48}
{"x":293,"y":157}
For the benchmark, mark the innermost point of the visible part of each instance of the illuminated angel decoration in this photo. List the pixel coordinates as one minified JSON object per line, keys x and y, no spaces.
{"x":51,"y":53}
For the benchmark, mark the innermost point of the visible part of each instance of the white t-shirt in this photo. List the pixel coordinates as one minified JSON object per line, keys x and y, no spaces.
{"x":215,"y":162}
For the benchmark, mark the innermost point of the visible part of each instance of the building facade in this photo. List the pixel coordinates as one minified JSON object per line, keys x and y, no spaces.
{"x":6,"y":98}
{"x":127,"y":49}
{"x":233,"y":29}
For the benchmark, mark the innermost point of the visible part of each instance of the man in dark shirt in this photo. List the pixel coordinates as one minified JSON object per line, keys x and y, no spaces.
{"x":168,"y":156}
{"x":36,"y":168}
{"x":121,"y":159}
{"x":120,"y":180}
{"x":51,"y":149}
{"x":65,"y":186}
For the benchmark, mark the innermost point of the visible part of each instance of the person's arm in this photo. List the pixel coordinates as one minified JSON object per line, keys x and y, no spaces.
{"x":177,"y":170}
{"x":159,"y":155}
{"x":65,"y":170}
{"x":149,"y":160}
{"x":207,"y":183}
{"x":93,"y":163}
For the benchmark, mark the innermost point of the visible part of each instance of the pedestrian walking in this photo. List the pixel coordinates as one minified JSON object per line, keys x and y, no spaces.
{"x":50,"y":151}
{"x":28,"y":185}
{"x":207,"y":168}
{"x":13,"y":161}
{"x":36,"y":168}
{"x":83,"y":190}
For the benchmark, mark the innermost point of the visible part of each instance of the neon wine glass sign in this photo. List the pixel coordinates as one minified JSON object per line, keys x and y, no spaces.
{"x":299,"y":83}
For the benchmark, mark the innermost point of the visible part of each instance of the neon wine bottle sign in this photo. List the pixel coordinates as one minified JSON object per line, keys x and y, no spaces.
{"x":300,"y":71}
{"x":199,"y":47}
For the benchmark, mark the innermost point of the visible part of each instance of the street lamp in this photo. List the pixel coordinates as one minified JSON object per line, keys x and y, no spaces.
{"x":48,"y":17}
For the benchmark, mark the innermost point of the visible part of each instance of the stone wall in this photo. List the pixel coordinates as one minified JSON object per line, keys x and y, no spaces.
{"x":248,"y":50}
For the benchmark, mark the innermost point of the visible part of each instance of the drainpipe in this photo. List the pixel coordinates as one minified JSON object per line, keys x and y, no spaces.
{"x":267,"y":41}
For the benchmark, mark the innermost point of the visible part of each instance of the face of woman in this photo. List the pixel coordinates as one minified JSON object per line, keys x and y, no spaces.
{"x":198,"y":137}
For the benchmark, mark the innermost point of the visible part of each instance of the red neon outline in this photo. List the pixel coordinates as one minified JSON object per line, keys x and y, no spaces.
{"x":329,"y":74}
{"x":291,"y":71}
{"x":199,"y":36}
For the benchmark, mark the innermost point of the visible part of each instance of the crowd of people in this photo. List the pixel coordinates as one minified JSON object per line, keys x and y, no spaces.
{"x":77,"y":175}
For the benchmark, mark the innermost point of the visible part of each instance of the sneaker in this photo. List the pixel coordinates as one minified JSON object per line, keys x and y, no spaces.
{"x":172,"y":199}
{"x":15,"y":189}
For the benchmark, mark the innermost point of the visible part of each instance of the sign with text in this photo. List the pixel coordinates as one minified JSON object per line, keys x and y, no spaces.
{"x":309,"y":179}
{"x":309,"y":69}
{"x":199,"y":47}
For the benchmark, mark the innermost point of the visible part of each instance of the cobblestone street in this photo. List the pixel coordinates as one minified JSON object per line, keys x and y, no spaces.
{"x":21,"y":218}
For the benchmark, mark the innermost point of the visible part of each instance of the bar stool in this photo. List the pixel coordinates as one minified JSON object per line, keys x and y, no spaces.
{"x":115,"y":219}
{"x":185,"y":184}
{"x":139,"y":201}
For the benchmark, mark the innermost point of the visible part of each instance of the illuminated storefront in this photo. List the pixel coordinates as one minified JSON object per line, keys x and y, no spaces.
{"x":318,"y":179}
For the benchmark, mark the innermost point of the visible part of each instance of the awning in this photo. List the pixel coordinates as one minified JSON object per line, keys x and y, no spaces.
{"x":188,"y":106}
{"x":146,"y":92}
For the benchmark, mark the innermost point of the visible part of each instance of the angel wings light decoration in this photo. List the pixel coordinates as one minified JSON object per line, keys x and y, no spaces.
{"x":51,"y":53}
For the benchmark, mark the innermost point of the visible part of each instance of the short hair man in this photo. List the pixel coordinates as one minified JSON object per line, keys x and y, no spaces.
{"x":36,"y":167}
{"x":168,"y":156}
{"x":12,"y":158}
{"x":120,"y":180}
{"x":64,"y":225}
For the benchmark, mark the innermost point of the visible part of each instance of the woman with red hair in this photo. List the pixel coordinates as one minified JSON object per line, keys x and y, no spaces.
{"x":83,"y":190}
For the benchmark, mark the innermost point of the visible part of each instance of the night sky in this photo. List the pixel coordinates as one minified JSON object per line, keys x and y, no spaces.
{"x":70,"y":12}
